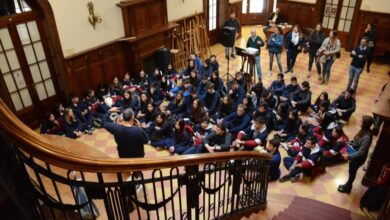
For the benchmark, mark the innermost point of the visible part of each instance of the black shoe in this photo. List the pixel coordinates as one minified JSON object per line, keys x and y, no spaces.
{"x":285,"y":178}
{"x":287,"y":71}
{"x":232,"y":56}
{"x":227,"y":57}
{"x":295,"y":178}
{"x":344,"y":189}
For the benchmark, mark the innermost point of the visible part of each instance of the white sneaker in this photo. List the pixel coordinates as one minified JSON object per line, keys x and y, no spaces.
{"x":269,"y":74}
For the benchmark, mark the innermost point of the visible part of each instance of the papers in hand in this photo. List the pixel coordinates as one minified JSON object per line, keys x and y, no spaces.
{"x":251,"y":50}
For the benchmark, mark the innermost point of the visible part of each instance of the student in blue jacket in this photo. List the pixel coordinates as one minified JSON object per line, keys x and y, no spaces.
{"x":237,"y":121}
{"x":182,"y":139}
{"x":277,"y":86}
{"x":236,"y":93}
{"x":275,"y":44}
{"x":274,"y":170}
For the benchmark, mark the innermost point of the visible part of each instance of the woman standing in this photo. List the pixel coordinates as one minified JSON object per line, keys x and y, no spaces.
{"x":275,"y":44}
{"x":357,"y":152}
{"x":315,"y":41}
{"x":330,"y":47}
{"x":370,"y":33}
{"x":293,"y":47}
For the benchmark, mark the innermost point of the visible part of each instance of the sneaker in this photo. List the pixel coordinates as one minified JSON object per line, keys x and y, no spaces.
{"x":232,"y":56}
{"x":89,"y":132}
{"x":287,"y":71}
{"x":269,"y":74}
{"x":285,"y":178}
{"x":308,"y":74}
{"x":295,"y":178}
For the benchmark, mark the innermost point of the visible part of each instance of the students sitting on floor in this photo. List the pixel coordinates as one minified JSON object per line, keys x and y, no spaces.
{"x":171,"y":74}
{"x":210,"y":100}
{"x":83,"y":114}
{"x":290,"y":130}
{"x":214,"y":63}
{"x":304,"y":162}
{"x":177,"y":106}
{"x":281,"y":116}
{"x":333,"y":147}
{"x":72,"y":127}
{"x":128,"y":101}
{"x":181,"y":138}
{"x":274,"y":170}
{"x":247,"y":101}
{"x":253,"y":136}
{"x":277,"y":86}
{"x":218,"y":83}
{"x":345,"y":105}
{"x":144,"y":101}
{"x":269,"y":117}
{"x":202,"y":88}
{"x":187,"y":71}
{"x":289,"y":89}
{"x":295,"y":145}
{"x":270,"y":99}
{"x":196,"y":112}
{"x":237,"y":121}
{"x":257,"y":92}
{"x":202,"y":130}
{"x":205,"y":69}
{"x":159,"y":131}
{"x":155,"y":77}
{"x":236,"y":93}
{"x":51,"y":125}
{"x":301,"y":99}
{"x":143,"y":81}
{"x":150,"y":115}
{"x":322,"y":97}
{"x":241,"y":80}
{"x":225,"y":108}
{"x":194,"y":79}
{"x":116,"y":87}
{"x":155,"y":94}
{"x":126,"y":81}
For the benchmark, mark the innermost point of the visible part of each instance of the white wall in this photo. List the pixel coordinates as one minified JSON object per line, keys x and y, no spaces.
{"x":382,"y":6}
{"x":76,"y":33}
{"x":178,"y":9}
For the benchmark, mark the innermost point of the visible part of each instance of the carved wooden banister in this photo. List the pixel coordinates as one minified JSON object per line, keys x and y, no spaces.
{"x":49,"y":151}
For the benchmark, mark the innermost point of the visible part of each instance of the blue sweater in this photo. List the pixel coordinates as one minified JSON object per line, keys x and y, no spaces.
{"x":236,"y":123}
{"x":237,"y":96}
{"x":274,"y":170}
{"x":277,"y":87}
{"x":275,"y":43}
{"x":211,"y":102}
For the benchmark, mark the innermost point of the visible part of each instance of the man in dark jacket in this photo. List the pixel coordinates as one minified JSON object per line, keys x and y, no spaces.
{"x":236,"y":93}
{"x":301,"y":99}
{"x":210,"y":100}
{"x":345,"y":105}
{"x":359,"y":57}
{"x":274,"y":19}
{"x":315,"y":41}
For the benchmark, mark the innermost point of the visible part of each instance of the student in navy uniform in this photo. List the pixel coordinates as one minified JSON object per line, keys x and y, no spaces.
{"x":345,"y":105}
{"x":202,"y":87}
{"x":293,"y":47}
{"x":290,"y":88}
{"x":269,"y":98}
{"x":72,"y":126}
{"x":217,"y":141}
{"x":128,"y":101}
{"x":144,"y":101}
{"x":125,"y":131}
{"x":241,"y":80}
{"x":304,"y":162}
{"x":322,"y":97}
{"x":194,"y":79}
{"x":225,"y":108}
{"x":151,"y":113}
{"x":182,"y":139}
{"x":236,"y":93}
{"x":274,"y":170}
{"x":359,"y":56}
{"x":171,"y":73}
{"x":155,"y":94}
{"x":247,"y":101}
{"x":277,"y":86}
{"x":210,"y":100}
{"x":126,"y":81}
{"x":116,"y":87}
{"x":291,"y":126}
{"x":316,"y":38}
{"x":257,"y":92}
{"x":187,"y":71}
{"x":155,"y":77}
{"x":269,"y":117}
{"x":202,"y":130}
{"x":197,"y":61}
{"x":160,"y":130}
{"x":205,"y":69}
{"x":360,"y":144}
{"x":218,"y":83}
{"x":196,"y":112}
{"x":281,"y":116}
{"x":253,"y":136}
{"x":51,"y":125}
{"x":294,"y":146}
{"x":301,"y":99}
{"x":83,"y":114}
{"x":214,"y":63}
{"x":237,"y":121}
{"x":177,"y":106}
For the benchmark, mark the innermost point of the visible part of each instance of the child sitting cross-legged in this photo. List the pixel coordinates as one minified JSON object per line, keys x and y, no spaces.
{"x":253,"y":136}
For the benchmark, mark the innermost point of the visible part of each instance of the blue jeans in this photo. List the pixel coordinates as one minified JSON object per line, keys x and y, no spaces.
{"x":195,"y":150}
{"x":258,"y":67}
{"x":278,"y":59}
{"x":326,"y":69}
{"x":288,"y":162}
{"x":354,"y":75}
{"x":164,"y":143}
{"x":314,"y":58}
{"x":227,"y":50}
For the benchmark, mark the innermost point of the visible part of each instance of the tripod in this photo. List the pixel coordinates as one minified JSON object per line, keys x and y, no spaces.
{"x":227,"y":75}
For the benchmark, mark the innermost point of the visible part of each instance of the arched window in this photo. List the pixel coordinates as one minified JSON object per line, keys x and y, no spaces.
{"x":26,"y":82}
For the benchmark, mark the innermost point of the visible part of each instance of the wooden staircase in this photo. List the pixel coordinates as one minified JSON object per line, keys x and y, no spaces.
{"x":286,"y":207}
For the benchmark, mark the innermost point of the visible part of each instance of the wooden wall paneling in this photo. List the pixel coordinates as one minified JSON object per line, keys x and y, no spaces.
{"x":157,"y":18}
{"x":141,"y":19}
{"x":304,"y":14}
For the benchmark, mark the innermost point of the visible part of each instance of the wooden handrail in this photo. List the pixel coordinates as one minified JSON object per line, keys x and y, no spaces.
{"x":44,"y":149}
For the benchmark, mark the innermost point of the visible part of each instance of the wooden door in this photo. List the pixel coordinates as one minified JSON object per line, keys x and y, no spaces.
{"x":254,"y":12}
{"x":338,"y":15}
{"x":26,"y":78}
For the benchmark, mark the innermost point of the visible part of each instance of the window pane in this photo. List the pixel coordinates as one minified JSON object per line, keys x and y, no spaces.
{"x":17,"y":102}
{"x":3,"y":64}
{"x":325,"y":21}
{"x":30,"y":56}
{"x":341,"y":25}
{"x":44,"y":70}
{"x":39,"y":51}
{"x":23,"y":33}
{"x":329,"y":1}
{"x":345,"y":2}
{"x":256,"y":6}
{"x":343,"y":12}
{"x":352,"y":3}
{"x":331,"y":23}
{"x":19,"y":79}
{"x":41,"y":91}
{"x":9,"y":81}
{"x":350,"y":13}
{"x":244,"y":6}
{"x":6,"y":39}
{"x":26,"y":98}
{"x":13,"y":59}
{"x":36,"y":75}
{"x":33,"y":30}
{"x":50,"y":88}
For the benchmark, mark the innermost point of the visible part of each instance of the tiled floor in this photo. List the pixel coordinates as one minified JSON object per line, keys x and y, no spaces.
{"x":323,"y":188}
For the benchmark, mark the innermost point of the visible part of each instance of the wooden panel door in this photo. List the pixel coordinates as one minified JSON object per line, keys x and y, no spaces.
{"x":26,"y":71}
{"x":254,"y":12}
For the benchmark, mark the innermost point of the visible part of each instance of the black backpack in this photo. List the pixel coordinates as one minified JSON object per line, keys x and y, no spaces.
{"x":373,"y":199}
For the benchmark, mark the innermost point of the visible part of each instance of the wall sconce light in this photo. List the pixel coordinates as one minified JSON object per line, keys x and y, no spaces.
{"x":93,"y":18}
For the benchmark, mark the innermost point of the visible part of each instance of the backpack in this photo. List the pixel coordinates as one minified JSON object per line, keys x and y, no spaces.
{"x":373,"y":199}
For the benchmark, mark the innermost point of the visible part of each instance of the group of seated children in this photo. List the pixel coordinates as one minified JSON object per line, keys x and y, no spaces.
{"x":196,"y":112}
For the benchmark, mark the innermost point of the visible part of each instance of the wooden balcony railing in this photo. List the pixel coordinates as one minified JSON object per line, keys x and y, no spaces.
{"x":48,"y":181}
